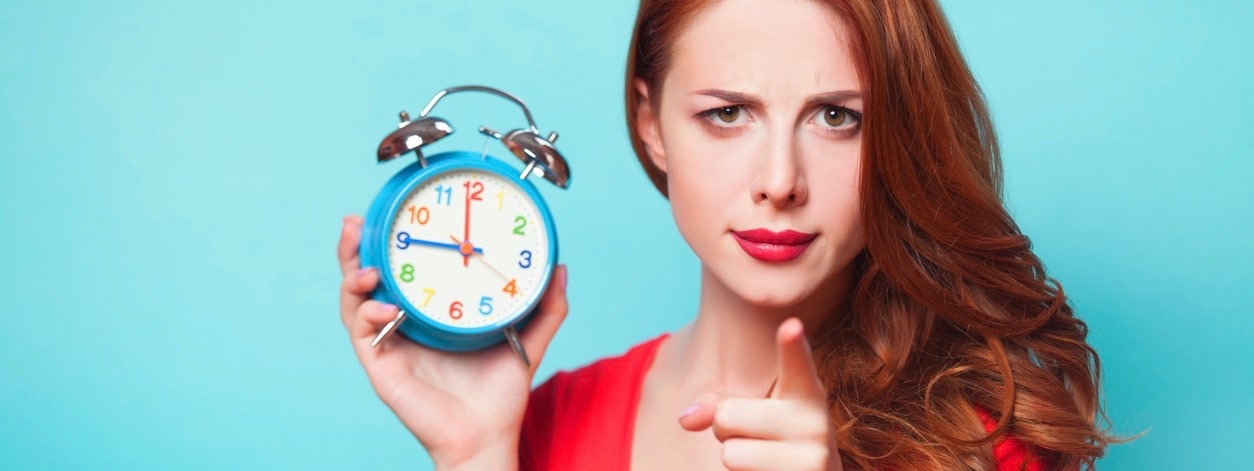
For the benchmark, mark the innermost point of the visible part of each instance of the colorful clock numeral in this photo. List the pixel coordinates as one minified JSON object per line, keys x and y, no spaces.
{"x":473,"y":190}
{"x":444,"y":195}
{"x":419,"y":215}
{"x":418,"y":237}
{"x":430,"y":293}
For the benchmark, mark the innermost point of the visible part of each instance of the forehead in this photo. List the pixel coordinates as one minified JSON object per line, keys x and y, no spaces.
{"x":761,"y":45}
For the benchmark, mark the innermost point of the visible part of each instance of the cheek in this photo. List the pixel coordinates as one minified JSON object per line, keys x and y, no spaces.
{"x":706,"y":185}
{"x":705,"y":171}
{"x":835,"y":193}
{"x":698,"y":195}
{"x":839,"y":211}
{"x":695,"y":211}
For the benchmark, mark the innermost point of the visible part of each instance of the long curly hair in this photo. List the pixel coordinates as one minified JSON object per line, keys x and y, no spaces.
{"x":953,"y":325}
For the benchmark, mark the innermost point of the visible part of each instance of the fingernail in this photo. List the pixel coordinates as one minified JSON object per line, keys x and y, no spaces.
{"x":561,"y":278}
{"x":363,"y":271}
{"x":689,"y":410}
{"x":385,"y":307}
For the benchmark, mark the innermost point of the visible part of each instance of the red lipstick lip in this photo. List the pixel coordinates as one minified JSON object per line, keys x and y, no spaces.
{"x":771,"y":246}
{"x":766,"y":236}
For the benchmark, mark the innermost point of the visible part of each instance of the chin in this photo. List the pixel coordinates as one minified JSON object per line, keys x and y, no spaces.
{"x":769,"y":291}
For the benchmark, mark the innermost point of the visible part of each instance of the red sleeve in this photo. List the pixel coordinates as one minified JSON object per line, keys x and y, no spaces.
{"x":580,"y":420}
{"x":536,"y":440}
{"x":585,"y":419}
{"x":1010,"y":453}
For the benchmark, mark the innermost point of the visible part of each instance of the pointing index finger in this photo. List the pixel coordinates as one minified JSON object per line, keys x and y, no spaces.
{"x":797,"y":376}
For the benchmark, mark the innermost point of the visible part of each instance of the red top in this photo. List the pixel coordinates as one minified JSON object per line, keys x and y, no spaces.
{"x":585,"y":419}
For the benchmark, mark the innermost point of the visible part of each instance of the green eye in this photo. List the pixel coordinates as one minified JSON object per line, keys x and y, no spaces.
{"x":728,"y":114}
{"x":836,"y":117}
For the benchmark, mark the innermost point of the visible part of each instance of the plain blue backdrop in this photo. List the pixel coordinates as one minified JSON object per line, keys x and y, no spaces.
{"x":172,"y":177}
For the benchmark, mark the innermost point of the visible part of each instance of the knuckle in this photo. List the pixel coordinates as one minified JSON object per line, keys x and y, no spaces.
{"x":350,"y":286}
{"x":817,"y":426}
{"x":732,"y":454}
{"x":724,"y":412}
{"x":366,"y":306}
{"x":815,"y":457}
{"x":344,"y":249}
{"x":361,"y":282}
{"x":559,"y":302}
{"x":810,"y":422}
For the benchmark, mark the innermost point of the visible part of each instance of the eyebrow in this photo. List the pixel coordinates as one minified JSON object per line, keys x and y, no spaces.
{"x":737,"y":97}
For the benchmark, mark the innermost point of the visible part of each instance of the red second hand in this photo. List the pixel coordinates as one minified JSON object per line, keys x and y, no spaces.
{"x":466,"y":237}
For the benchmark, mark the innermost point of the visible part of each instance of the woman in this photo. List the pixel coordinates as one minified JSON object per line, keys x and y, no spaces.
{"x":832,"y":165}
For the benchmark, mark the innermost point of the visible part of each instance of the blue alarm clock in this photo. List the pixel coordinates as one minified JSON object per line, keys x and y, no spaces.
{"x":463,"y":242}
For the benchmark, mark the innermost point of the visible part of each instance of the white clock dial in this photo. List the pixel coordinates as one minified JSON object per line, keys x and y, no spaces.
{"x":468,"y":249}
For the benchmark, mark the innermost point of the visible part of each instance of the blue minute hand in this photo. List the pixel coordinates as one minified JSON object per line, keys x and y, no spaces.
{"x":404,"y":241}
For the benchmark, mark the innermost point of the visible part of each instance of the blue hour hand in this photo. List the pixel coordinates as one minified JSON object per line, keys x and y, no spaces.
{"x":404,"y":240}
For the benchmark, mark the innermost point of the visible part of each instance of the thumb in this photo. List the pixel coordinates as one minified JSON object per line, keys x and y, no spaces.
{"x":797,"y":376}
{"x":700,"y":415}
{"x":551,"y":312}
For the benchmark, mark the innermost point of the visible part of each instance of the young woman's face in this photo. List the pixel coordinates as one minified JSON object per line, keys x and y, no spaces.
{"x":758,"y":129}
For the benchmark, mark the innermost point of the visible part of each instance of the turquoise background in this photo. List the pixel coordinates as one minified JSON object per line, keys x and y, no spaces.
{"x":172,"y":176}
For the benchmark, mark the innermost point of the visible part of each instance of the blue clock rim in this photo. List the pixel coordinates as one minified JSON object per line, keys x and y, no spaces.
{"x":376,"y":239}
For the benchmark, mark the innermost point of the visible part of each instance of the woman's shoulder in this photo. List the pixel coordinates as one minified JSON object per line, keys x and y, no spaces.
{"x":608,"y":375}
{"x":588,"y":411}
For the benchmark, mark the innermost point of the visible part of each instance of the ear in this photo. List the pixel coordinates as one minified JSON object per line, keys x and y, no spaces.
{"x":647,"y":126}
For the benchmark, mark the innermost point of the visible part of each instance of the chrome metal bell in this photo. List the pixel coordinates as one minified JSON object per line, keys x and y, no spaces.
{"x":412,"y":135}
{"x":537,"y":153}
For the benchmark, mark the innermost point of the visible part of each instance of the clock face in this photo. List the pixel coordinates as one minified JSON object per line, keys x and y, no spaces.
{"x":468,"y":248}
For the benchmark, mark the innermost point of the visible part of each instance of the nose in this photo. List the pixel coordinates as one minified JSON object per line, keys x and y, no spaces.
{"x":778,"y":180}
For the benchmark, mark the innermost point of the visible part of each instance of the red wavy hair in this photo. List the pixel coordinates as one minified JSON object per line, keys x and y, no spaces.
{"x":951,"y":315}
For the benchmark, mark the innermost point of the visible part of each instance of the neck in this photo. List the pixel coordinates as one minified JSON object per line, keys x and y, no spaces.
{"x":731,"y":345}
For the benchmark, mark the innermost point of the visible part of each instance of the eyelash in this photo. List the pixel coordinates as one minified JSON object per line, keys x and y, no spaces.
{"x":710,"y":117}
{"x":843,"y":130}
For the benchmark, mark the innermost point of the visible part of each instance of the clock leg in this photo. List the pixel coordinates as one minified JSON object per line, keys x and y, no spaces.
{"x":388,"y":329}
{"x":512,"y":335}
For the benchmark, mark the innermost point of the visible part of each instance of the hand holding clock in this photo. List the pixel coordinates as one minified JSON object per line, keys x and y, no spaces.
{"x":466,"y":408}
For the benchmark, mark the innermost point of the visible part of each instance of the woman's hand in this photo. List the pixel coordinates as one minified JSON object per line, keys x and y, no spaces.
{"x":789,"y":430}
{"x":465,"y":408}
